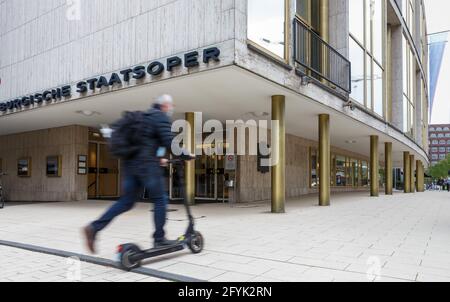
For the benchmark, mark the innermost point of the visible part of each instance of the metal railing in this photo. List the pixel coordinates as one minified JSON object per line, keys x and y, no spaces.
{"x":319,"y":60}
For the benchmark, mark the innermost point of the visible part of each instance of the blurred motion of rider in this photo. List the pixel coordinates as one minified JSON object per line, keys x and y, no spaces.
{"x":143,"y":170}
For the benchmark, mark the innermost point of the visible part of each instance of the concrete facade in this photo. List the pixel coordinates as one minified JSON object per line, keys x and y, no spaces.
{"x":78,"y":42}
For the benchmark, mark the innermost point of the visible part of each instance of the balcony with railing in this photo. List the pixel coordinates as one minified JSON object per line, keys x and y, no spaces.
{"x":318,"y":60}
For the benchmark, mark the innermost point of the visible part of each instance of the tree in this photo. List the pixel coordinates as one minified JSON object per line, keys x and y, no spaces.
{"x":441,"y":169}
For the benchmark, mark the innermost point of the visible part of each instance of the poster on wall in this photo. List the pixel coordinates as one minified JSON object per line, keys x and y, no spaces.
{"x":24,"y":167}
{"x":54,"y":166}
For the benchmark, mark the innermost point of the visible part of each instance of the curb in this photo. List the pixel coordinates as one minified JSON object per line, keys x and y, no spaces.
{"x":99,"y":261}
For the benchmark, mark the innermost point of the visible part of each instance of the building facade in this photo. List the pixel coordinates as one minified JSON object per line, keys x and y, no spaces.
{"x":345,"y":79}
{"x":439,"y":142}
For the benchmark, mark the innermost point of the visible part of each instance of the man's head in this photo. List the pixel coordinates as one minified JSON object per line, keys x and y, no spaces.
{"x":165,"y":104}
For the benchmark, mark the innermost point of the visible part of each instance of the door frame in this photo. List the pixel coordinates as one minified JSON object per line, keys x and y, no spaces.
{"x":97,"y":176}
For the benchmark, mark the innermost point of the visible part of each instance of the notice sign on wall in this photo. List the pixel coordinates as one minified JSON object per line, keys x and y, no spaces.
{"x":230,"y":163}
{"x":54,"y":166}
{"x":82,"y":165}
{"x":24,"y":167}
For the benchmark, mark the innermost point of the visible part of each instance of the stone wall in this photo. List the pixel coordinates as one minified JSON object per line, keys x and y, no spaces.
{"x":68,"y":142}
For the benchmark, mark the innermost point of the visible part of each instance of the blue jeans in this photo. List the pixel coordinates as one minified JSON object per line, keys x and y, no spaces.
{"x":132,"y":187}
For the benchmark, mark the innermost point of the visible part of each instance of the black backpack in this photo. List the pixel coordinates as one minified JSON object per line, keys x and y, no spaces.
{"x":126,"y":140}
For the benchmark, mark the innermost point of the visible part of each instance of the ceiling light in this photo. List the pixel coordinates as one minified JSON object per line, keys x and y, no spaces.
{"x":259,"y":114}
{"x":88,"y":113}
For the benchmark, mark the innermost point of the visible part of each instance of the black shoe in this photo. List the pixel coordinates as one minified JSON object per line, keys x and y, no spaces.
{"x":164,"y":243}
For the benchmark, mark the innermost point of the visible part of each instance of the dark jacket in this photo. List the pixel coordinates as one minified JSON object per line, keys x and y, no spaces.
{"x":156,"y":132}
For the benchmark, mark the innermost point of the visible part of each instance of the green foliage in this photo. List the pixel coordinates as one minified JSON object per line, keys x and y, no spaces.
{"x":441,"y":169}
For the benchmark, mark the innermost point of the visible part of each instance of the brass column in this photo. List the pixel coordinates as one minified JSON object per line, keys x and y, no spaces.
{"x":324,"y":16}
{"x":190,"y":166}
{"x":325,"y":35}
{"x":412,"y":162}
{"x":279,"y":147}
{"x":388,"y":168}
{"x":374,"y":168}
{"x":324,"y":160}
{"x":407,"y":172}
{"x":420,"y":177}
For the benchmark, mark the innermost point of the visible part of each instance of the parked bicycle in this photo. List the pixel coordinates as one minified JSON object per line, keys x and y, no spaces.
{"x":2,"y":196}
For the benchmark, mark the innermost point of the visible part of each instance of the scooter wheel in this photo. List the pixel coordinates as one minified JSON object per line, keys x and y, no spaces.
{"x":129,"y":250}
{"x":196,"y":243}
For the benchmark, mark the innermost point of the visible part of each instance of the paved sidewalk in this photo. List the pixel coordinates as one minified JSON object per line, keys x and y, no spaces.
{"x":24,"y":266}
{"x":405,"y":237}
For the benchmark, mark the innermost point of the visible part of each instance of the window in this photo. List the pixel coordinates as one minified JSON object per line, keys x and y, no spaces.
{"x":440,"y":135}
{"x":366,"y":53}
{"x":442,"y":156}
{"x":448,"y":142}
{"x":446,"y":129}
{"x":434,"y":156}
{"x":364,"y":174}
{"x":409,"y":77}
{"x":448,"y":149}
{"x":442,"y":142}
{"x":267,"y":25}
{"x":435,"y":142}
{"x":438,"y":129}
{"x":442,"y":149}
{"x":309,"y":12}
{"x":432,"y":129}
{"x":345,"y":171}
{"x":447,"y":135}
{"x":434,"y":149}
{"x":314,"y":168}
{"x":433,"y":135}
{"x":341,"y":177}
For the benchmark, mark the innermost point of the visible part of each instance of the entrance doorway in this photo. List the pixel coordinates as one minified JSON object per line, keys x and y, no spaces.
{"x":210,"y":177}
{"x":104,"y":176}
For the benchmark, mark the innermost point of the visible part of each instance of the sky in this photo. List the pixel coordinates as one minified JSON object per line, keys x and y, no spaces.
{"x":438,"y":20}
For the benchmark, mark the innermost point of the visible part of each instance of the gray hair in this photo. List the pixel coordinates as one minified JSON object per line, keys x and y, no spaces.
{"x":164,"y":99}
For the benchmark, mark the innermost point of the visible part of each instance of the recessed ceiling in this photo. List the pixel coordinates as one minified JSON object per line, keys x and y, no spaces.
{"x":224,"y":94}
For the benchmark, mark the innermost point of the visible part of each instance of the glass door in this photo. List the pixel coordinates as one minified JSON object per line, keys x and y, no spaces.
{"x":103,"y":177}
{"x":205,"y":177}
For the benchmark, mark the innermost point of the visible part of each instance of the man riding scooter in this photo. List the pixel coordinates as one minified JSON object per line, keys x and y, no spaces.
{"x":141,"y":168}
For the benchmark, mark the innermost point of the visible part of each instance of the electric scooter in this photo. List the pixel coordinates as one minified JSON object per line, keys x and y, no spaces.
{"x":130,"y":255}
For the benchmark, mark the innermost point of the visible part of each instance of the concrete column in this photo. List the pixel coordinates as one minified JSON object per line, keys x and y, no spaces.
{"x":412,"y":162}
{"x":374,"y":167}
{"x":190,"y":166}
{"x":407,"y":172}
{"x":324,"y":160}
{"x":388,"y":168}
{"x":279,"y":149}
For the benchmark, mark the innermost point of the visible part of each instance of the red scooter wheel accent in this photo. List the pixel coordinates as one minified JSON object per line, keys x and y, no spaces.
{"x":128,"y":250}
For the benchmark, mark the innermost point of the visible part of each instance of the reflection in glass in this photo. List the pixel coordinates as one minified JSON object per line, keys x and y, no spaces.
{"x":357,"y":19}
{"x":341,"y":180}
{"x":378,"y":89}
{"x":377,"y":19}
{"x":266,"y":19}
{"x":357,"y":59}
{"x":369,"y":82}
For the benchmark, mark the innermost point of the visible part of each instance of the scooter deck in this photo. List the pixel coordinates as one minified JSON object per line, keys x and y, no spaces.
{"x":155,"y":252}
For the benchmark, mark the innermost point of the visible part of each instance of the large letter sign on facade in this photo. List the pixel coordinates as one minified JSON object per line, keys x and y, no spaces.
{"x":101,"y":83}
